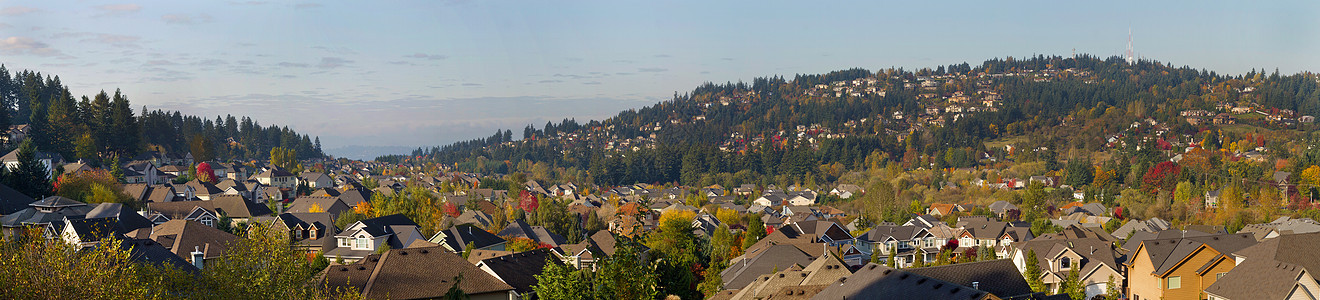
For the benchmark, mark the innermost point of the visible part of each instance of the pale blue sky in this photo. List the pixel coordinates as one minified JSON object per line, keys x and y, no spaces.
{"x":415,"y":73}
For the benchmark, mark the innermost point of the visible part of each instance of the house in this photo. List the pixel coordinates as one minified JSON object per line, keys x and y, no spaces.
{"x":519,"y":270}
{"x":846,"y":191}
{"x":308,"y":232}
{"x":1150,"y":225}
{"x":1211,"y":199}
{"x":520,"y":228}
{"x":458,"y":237}
{"x":745,"y":189}
{"x":48,"y":161}
{"x":141,"y":172}
{"x":83,"y":233}
{"x":1273,"y":269}
{"x":818,"y":231}
{"x":902,"y":242}
{"x":316,"y":204}
{"x":1281,"y":226}
{"x":875,"y":281}
{"x":1057,"y":254}
{"x":234,"y":207}
{"x":1001,"y":208}
{"x":48,"y":213}
{"x":75,"y":168}
{"x":364,"y":237}
{"x":17,"y":133}
{"x":1181,"y":268}
{"x":474,"y":217}
{"x":766,"y":258}
{"x":200,"y":190}
{"x":316,"y":180}
{"x":416,"y":273}
{"x":941,"y":209}
{"x":824,"y":270}
{"x":184,"y":237}
{"x":276,"y":178}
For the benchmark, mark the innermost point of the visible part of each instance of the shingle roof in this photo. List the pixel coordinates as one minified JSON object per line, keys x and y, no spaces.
{"x":520,"y":228}
{"x":743,"y":271}
{"x":999,"y":277}
{"x":183,"y":237}
{"x":1271,"y":269}
{"x":519,"y":269}
{"x":880,"y":282}
{"x":412,"y":274}
{"x":459,"y":236}
{"x":1167,"y":253}
{"x":12,"y":201}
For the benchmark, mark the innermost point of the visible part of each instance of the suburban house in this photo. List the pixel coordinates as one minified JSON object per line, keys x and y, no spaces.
{"x":817,"y":231}
{"x":185,"y":237}
{"x":365,"y":237}
{"x":824,"y":270}
{"x":902,"y":242}
{"x":520,"y":228}
{"x":847,"y":191}
{"x":1094,"y":258}
{"x":519,"y":270}
{"x":141,"y":172}
{"x":307,"y":232}
{"x":1273,"y":269}
{"x":48,"y":213}
{"x":276,"y":178}
{"x":48,"y":160}
{"x":233,"y":207}
{"x":316,"y":180}
{"x":416,"y":273}
{"x":1181,"y":268}
{"x":941,"y":209}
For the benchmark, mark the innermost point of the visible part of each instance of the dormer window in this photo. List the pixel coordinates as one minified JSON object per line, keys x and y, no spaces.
{"x":1065,"y":263}
{"x":362,"y":243}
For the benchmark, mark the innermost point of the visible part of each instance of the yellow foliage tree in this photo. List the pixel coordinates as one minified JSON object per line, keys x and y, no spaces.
{"x":315,"y":208}
{"x":363,"y":208}
{"x":1311,"y":175}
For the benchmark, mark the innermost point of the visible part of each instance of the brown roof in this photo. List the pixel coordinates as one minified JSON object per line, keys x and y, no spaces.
{"x":1165,"y":254}
{"x":1271,"y":269}
{"x":183,"y":237}
{"x":413,"y":274}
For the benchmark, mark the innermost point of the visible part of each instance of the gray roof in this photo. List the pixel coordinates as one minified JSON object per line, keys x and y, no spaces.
{"x":520,"y":228}
{"x":743,"y":271}
{"x":1271,"y":268}
{"x":875,"y":281}
{"x":1165,"y":254}
{"x":12,"y":201}
{"x":519,"y":269}
{"x":999,"y":277}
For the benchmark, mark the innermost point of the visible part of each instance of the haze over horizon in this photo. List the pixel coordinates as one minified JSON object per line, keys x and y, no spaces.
{"x":389,"y":76}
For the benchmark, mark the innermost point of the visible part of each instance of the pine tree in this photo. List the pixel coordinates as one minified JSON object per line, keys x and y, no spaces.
{"x":30,"y":177}
{"x":1032,"y":272}
{"x":890,"y":261}
{"x":1073,"y":285}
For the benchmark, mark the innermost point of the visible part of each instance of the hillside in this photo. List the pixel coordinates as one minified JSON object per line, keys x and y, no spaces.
{"x":813,"y":127}
{"x":103,"y":128}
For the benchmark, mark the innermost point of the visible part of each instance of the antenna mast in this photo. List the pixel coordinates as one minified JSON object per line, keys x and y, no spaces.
{"x":1130,"y":59}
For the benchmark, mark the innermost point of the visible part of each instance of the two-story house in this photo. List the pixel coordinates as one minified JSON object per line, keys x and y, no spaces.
{"x":365,"y":237}
{"x":1094,"y":258}
{"x":1181,"y":268}
{"x":901,"y":242}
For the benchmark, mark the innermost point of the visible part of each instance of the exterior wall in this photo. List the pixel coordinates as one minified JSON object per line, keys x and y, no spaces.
{"x":1141,"y":283}
{"x":1191,"y":283}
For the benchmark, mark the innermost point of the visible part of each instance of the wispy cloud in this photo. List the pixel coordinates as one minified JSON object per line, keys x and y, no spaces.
{"x":183,"y":19}
{"x":420,"y":55}
{"x":293,"y":65}
{"x":550,"y":81}
{"x":247,"y":2}
{"x":17,"y":10}
{"x":19,"y":45}
{"x":117,"y":40}
{"x":306,"y":5}
{"x":160,"y":62}
{"x":652,"y":70}
{"x":337,"y":50}
{"x":332,"y":62}
{"x":118,"y":9}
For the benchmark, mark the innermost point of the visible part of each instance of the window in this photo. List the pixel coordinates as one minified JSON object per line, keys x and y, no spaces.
{"x":1065,"y":263}
{"x":207,"y":222}
{"x":344,"y":242}
{"x":1220,"y":275}
{"x":361,"y":243}
{"x":298,"y":235}
{"x":1175,"y":282}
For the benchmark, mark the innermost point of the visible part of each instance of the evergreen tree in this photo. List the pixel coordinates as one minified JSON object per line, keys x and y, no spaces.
{"x":1032,"y":272}
{"x":890,"y":260}
{"x":30,"y":177}
{"x":1072,"y":285}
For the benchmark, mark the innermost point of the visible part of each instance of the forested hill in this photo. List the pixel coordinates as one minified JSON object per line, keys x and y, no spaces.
{"x":103,"y":128}
{"x":776,"y":126}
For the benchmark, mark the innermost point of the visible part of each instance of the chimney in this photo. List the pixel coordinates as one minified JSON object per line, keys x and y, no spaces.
{"x":976,"y":285}
{"x":198,"y":258}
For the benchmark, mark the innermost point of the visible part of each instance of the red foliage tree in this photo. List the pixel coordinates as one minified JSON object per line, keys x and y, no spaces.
{"x":451,"y":209}
{"x":951,"y":245}
{"x":205,"y":173}
{"x":527,"y":201}
{"x":1163,"y":175}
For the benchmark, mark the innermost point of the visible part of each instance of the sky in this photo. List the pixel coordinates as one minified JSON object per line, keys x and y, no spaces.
{"x":395,"y":75}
